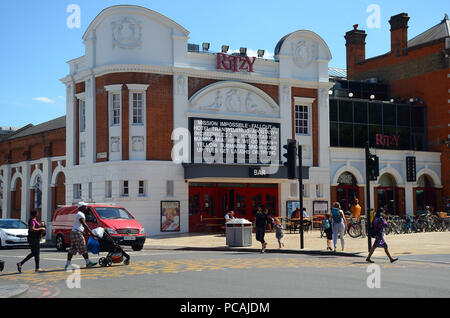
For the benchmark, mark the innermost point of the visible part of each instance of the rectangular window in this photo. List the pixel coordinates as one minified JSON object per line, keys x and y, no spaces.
{"x":305,"y":190}
{"x":142,"y":191}
{"x":124,"y":190}
{"x":319,"y":191}
{"x":77,"y":191}
{"x":90,"y":190}
{"x":301,"y":119}
{"x":82,"y":110}
{"x":170,"y":188}
{"x":138,"y":108}
{"x":108,"y":189}
{"x":115,"y":109}
{"x":82,"y":149}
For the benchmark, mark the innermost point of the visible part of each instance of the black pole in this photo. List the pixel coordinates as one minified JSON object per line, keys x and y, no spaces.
{"x":300,"y":183}
{"x":369,"y":238}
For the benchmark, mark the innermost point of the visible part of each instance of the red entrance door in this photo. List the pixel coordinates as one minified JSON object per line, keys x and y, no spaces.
{"x":203,"y":204}
{"x":212,"y":201}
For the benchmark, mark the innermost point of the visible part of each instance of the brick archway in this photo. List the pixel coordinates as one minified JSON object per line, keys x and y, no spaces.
{"x":58,"y":192}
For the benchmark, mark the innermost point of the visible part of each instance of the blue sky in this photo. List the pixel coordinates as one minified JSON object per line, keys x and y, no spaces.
{"x":36,"y":42}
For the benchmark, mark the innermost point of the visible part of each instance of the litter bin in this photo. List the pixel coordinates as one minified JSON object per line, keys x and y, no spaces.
{"x":239,"y":233}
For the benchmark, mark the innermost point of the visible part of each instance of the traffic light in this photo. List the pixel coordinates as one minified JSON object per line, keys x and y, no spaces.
{"x":373,"y":167}
{"x":291,"y":157}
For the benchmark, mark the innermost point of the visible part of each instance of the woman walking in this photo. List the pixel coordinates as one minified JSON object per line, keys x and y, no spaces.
{"x":378,"y":225}
{"x":339,"y":225}
{"x":35,"y":232}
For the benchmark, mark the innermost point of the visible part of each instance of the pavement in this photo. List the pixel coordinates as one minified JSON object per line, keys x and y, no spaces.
{"x":405,"y":244}
{"x":421,"y":246}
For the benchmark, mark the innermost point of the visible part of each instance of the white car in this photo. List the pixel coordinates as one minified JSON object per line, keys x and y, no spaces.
{"x":13,"y":232}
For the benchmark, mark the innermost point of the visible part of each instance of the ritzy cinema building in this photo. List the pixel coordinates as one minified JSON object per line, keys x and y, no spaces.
{"x":142,"y":96}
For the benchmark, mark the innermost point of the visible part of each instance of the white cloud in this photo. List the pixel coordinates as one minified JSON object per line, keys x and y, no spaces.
{"x":44,"y":100}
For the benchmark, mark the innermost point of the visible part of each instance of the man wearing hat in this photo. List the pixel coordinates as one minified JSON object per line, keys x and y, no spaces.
{"x":77,"y":241}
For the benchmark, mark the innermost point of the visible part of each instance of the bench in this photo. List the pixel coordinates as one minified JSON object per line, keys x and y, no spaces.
{"x":212,"y":223}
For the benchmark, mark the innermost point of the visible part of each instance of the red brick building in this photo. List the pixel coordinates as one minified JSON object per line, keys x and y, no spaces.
{"x":418,"y":72}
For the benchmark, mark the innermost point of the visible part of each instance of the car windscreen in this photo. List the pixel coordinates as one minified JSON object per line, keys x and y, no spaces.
{"x":12,"y":224}
{"x":111,"y":213}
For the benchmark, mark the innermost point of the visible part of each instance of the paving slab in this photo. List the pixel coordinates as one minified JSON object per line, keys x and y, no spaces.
{"x":12,"y":291}
{"x":403,"y":244}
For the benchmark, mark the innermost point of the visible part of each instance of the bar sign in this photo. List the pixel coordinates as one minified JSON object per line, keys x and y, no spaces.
{"x":258,"y":172}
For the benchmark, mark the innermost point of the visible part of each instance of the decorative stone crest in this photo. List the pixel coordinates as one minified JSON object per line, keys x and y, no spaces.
{"x":115,"y":144}
{"x":138,"y":144}
{"x":127,"y":33}
{"x":304,"y":53}
{"x":232,"y":99}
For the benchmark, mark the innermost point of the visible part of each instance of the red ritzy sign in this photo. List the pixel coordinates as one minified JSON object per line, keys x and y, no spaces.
{"x":382,"y":140}
{"x":235,"y":63}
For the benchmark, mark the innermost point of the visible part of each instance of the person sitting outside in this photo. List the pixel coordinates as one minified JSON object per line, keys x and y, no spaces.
{"x":229,"y":216}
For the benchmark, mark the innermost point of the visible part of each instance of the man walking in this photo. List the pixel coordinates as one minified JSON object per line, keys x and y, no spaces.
{"x":261,"y":221}
{"x":77,"y":241}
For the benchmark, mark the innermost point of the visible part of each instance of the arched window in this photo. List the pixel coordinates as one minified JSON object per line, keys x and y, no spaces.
{"x":347,"y":190}
{"x":347,"y":179}
{"x":425,"y":193}
{"x":38,"y":193}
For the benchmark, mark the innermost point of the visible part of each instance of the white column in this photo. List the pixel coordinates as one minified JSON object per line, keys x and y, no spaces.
{"x":25,"y":204}
{"x":409,"y":199}
{"x":46,"y":194}
{"x":324,"y":128}
{"x":70,"y":125}
{"x":285,"y":100}
{"x":91,"y":153}
{"x":6,"y":192}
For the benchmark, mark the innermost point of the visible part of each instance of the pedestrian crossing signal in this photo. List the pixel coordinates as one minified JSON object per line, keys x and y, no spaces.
{"x":373,"y":167}
{"x":291,"y":157}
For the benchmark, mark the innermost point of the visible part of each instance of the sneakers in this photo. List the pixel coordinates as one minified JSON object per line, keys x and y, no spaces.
{"x":91,"y":264}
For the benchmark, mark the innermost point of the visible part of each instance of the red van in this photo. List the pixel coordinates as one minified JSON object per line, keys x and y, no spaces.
{"x":119,"y":223}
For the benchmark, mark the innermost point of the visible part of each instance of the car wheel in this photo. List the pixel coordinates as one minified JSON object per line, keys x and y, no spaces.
{"x":137,"y":248}
{"x":60,"y":246}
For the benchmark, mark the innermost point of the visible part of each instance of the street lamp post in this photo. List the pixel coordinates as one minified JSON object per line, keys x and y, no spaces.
{"x":369,"y":238}
{"x":300,"y":183}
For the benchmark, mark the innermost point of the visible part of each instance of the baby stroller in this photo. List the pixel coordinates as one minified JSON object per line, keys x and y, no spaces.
{"x":115,"y":255}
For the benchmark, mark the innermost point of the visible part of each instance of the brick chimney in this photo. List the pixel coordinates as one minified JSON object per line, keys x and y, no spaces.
{"x":356,"y":48}
{"x":399,"y":34}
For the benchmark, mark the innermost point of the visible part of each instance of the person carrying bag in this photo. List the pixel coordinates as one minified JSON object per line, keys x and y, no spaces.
{"x":35,"y":232}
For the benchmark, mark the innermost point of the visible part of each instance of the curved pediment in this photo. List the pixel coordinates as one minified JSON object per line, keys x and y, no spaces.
{"x":234,"y":98}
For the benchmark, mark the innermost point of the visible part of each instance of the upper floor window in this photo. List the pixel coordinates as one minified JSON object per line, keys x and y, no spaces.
{"x":115,"y":109}
{"x":302,"y":119}
{"x":77,"y":194}
{"x":138,"y":108}
{"x":82,"y":110}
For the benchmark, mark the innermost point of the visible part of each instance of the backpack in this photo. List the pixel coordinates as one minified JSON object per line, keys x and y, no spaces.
{"x":325,"y":224}
{"x":337,"y":218}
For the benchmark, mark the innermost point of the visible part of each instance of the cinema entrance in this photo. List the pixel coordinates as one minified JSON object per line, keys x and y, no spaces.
{"x":209,"y":202}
